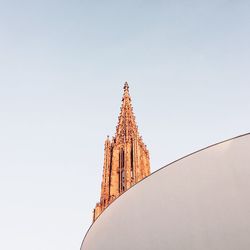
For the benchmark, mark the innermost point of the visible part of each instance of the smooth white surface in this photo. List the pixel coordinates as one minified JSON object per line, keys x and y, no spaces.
{"x":199,"y":202}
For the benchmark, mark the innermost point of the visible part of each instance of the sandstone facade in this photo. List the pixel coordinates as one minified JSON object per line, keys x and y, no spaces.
{"x":126,"y":158}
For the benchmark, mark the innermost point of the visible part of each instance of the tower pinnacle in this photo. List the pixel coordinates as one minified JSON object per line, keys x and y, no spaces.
{"x":126,"y":87}
{"x":126,"y":128}
{"x":126,"y":158}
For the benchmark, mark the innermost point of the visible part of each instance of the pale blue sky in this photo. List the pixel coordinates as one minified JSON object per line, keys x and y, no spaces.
{"x":62,"y":68}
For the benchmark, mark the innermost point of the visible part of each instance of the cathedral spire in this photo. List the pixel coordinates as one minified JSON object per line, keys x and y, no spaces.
{"x":126,"y":158}
{"x":126,"y":128}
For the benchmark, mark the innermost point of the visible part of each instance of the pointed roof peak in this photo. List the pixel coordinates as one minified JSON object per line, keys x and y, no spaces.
{"x":126,"y":95}
{"x":126,"y":87}
{"x":126,"y":127}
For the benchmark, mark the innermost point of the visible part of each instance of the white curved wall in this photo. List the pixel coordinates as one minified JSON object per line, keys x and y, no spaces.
{"x":199,"y":202}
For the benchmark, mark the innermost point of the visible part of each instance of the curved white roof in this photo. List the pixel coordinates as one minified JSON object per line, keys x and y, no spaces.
{"x":201,"y":201}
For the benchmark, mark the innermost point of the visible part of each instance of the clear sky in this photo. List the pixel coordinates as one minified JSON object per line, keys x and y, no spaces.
{"x":62,"y":69}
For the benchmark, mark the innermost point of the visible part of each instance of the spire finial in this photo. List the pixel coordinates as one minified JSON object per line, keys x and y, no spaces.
{"x":126,"y":87}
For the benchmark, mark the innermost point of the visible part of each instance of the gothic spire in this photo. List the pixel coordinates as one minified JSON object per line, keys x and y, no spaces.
{"x":126,"y":158}
{"x":126,"y":128}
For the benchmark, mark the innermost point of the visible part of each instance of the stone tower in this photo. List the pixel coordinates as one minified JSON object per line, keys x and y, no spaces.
{"x":126,"y":158}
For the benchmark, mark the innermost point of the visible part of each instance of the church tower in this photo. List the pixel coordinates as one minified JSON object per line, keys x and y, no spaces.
{"x":126,"y":158}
